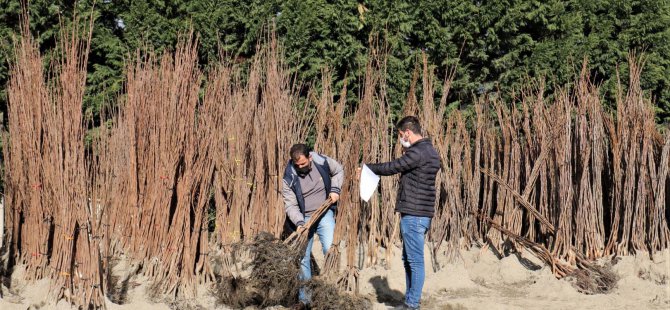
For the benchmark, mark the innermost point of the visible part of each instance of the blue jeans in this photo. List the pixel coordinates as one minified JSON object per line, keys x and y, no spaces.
{"x":413,"y":229}
{"x":325,"y":229}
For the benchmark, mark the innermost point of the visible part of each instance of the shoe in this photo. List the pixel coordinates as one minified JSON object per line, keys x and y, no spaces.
{"x":406,"y":307}
{"x":299,"y":306}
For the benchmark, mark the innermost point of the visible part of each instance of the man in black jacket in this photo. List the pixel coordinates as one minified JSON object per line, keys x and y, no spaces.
{"x":415,"y":202}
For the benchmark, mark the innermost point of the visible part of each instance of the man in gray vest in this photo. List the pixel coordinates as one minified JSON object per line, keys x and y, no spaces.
{"x":309,"y":179}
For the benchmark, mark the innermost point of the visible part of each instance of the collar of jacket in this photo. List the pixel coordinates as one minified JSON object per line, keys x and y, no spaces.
{"x":422,"y":140}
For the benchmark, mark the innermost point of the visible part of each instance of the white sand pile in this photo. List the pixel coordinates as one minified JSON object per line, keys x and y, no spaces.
{"x":479,"y":280}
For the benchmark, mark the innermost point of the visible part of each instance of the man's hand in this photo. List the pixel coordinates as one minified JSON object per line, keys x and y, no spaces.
{"x":334,"y":197}
{"x":300,"y":229}
{"x":358,"y":173}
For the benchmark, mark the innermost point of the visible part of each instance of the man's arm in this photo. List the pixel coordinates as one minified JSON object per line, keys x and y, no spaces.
{"x":408,"y":161}
{"x":291,"y":205}
{"x":336,"y":175}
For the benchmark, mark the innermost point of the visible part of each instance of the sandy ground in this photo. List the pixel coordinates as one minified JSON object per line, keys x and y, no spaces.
{"x":479,"y":280}
{"x":476,"y":280}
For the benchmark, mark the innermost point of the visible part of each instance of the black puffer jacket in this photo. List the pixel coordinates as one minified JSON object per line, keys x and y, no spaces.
{"x":418,"y":168}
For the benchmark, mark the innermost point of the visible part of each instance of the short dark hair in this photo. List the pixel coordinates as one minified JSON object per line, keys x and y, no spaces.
{"x":409,"y":122}
{"x":297,"y":150}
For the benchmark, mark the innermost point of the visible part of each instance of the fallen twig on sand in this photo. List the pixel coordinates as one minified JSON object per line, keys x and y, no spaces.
{"x":590,"y":278}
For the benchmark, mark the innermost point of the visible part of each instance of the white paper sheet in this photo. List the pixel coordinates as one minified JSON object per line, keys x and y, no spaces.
{"x":369,"y":182}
